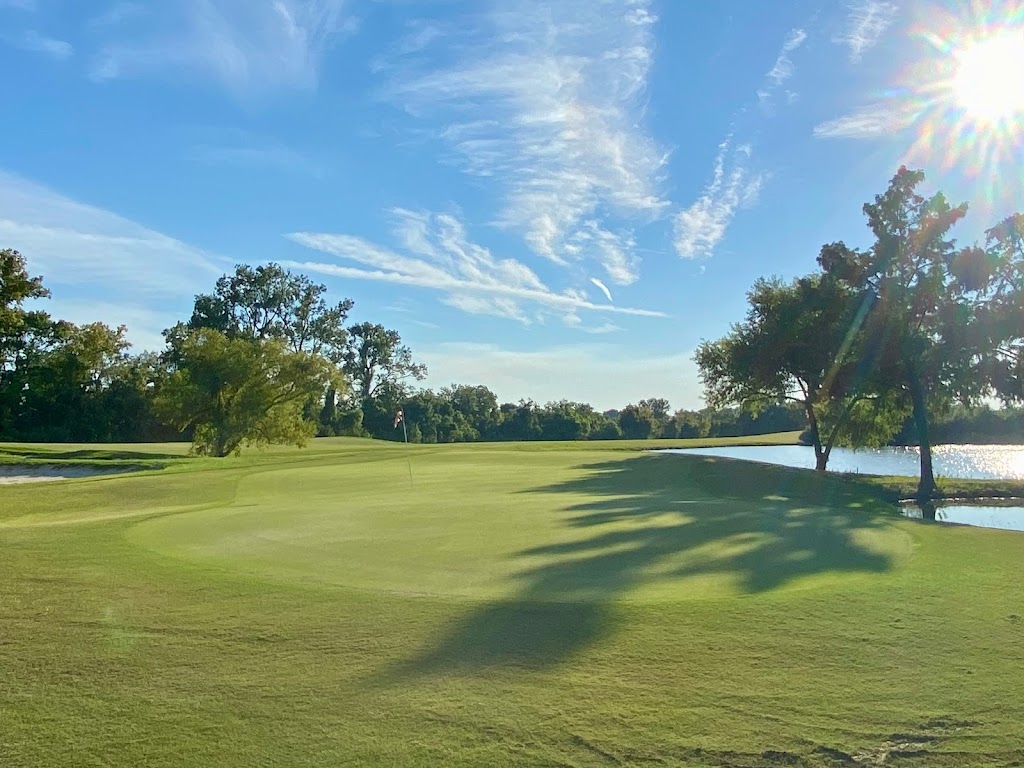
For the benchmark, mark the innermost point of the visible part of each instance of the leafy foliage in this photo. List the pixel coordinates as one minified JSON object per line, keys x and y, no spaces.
{"x":376,"y":359}
{"x":236,"y":390}
{"x":269,"y":302}
{"x":796,"y":344}
{"x":921,"y":337}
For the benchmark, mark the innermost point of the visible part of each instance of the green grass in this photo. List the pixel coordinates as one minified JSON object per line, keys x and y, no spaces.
{"x":522,"y":604}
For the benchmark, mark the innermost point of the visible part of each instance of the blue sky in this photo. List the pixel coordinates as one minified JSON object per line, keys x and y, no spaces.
{"x":556,"y":199}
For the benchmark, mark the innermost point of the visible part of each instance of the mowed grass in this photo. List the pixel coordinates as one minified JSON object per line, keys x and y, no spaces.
{"x":519,"y":604}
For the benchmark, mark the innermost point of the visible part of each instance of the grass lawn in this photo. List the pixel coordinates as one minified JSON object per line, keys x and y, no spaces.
{"x":521,"y":604}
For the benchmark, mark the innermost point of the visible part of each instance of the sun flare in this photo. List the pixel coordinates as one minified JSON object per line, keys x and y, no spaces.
{"x":989,"y":80}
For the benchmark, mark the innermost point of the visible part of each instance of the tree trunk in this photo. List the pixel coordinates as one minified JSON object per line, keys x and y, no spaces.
{"x":820,"y":455}
{"x":926,"y":486}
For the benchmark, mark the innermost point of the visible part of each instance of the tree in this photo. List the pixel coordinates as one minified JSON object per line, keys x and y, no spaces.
{"x":920,"y":336}
{"x":797,"y":344}
{"x":269,"y":302}
{"x":606,"y":429}
{"x":22,"y":332}
{"x":18,"y":325}
{"x":478,"y":406}
{"x":566,"y":420}
{"x":520,"y":421}
{"x":996,"y":274}
{"x":688,"y":424}
{"x":638,"y":422}
{"x":376,"y":358}
{"x":232,"y":391}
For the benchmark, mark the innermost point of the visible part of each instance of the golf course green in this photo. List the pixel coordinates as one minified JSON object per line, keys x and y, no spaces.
{"x":550,"y":604}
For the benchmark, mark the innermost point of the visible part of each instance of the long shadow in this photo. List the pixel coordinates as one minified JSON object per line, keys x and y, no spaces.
{"x":658,"y":522}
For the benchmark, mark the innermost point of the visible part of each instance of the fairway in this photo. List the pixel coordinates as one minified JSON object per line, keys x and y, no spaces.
{"x":511,"y":604}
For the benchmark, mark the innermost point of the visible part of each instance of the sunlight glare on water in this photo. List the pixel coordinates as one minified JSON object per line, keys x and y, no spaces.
{"x":980,"y":462}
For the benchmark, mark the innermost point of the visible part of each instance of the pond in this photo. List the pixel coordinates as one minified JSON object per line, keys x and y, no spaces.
{"x":990,"y":514}
{"x":979,"y":462}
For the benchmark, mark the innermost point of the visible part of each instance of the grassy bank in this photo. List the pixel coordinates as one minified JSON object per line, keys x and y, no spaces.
{"x":519,"y":604}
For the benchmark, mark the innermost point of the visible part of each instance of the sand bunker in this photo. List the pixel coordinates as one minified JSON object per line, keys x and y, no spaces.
{"x":10,"y":475}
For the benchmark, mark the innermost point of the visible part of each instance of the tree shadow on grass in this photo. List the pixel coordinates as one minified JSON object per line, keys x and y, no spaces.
{"x":673,"y":525}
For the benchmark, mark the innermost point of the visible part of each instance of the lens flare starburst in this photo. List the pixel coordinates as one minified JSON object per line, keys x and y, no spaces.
{"x":964,"y":93}
{"x":988,"y":83}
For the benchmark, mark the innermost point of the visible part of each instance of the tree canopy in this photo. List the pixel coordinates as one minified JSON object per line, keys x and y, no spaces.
{"x":232,"y":391}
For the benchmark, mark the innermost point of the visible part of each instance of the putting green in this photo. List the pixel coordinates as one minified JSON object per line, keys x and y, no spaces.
{"x":533,"y":604}
{"x":511,"y":523}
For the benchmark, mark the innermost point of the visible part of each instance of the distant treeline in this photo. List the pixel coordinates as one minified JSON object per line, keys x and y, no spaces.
{"x":971,"y":425}
{"x":473,"y":413}
{"x":265,"y":359}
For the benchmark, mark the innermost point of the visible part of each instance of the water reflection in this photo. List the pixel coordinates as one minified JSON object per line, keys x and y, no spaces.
{"x":990,"y":514}
{"x":980,"y":462}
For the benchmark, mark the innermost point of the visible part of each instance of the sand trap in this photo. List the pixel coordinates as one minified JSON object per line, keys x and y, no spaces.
{"x":11,"y":475}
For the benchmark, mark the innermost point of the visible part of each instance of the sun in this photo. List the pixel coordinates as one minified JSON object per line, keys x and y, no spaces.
{"x":988,"y":83}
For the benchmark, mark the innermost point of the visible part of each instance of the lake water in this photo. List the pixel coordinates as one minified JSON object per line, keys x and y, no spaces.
{"x":988,"y":515}
{"x":980,"y":462}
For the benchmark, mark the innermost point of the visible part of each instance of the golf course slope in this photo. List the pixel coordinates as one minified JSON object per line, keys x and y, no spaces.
{"x":358,"y":603}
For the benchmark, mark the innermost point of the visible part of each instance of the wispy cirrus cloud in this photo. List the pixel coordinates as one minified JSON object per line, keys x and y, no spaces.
{"x":78,"y":245}
{"x":869,"y":122}
{"x":614,"y":252}
{"x":866,"y":23}
{"x":702,"y":226}
{"x":436,"y":253}
{"x":735,"y":183}
{"x":783,"y":68}
{"x":246,"y":47}
{"x":19,"y":5}
{"x":547,"y":99}
{"x":83,"y":251}
{"x":36,"y":42}
{"x":602,"y":287}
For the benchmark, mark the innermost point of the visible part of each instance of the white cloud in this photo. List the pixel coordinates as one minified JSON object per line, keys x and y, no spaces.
{"x":547,"y":98}
{"x":604,"y":375}
{"x":602,"y":287}
{"x":701,"y":227}
{"x":245,"y":46}
{"x":19,"y":5}
{"x":869,"y":122}
{"x":439,"y":255}
{"x":783,"y":68}
{"x":866,"y":23}
{"x":614,"y":252}
{"x":734,"y":184}
{"x":34,"y":42}
{"x":83,"y":247}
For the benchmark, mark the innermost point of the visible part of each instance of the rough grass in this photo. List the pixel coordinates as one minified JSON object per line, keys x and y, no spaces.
{"x":519,"y":605}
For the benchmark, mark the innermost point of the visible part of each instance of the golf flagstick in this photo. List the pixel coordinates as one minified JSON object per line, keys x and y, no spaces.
{"x":400,"y":417}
